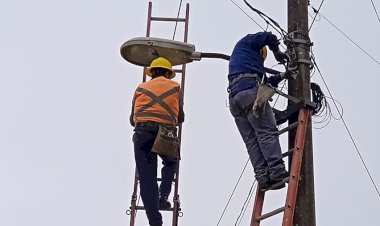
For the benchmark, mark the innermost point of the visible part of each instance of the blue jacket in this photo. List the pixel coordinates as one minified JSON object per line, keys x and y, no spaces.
{"x":246,"y":58}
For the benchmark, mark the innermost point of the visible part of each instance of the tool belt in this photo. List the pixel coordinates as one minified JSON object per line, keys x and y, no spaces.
{"x":246,"y":75}
{"x":166,"y":144}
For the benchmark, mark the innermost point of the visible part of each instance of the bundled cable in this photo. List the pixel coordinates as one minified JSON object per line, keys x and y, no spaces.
{"x":318,"y":97}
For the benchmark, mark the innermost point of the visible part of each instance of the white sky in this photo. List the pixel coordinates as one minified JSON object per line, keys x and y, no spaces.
{"x":66,"y":156}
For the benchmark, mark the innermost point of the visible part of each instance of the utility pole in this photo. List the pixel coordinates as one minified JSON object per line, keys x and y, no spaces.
{"x":300,"y":88}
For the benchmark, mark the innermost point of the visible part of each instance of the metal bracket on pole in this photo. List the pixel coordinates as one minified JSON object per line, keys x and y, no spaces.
{"x":302,"y":41}
{"x":297,"y":37}
{"x":292,"y":41}
{"x":305,"y":61}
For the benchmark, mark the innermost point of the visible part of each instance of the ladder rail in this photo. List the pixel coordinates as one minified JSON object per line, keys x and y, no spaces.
{"x":257,"y":207}
{"x":291,"y":196}
{"x":176,"y":201}
{"x":133,"y":207}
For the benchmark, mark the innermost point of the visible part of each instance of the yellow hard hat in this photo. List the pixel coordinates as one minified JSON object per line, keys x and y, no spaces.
{"x":160,"y":62}
{"x":264,"y":52}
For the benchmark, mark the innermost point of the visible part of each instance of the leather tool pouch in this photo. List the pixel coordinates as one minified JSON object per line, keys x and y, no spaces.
{"x":167,"y":143}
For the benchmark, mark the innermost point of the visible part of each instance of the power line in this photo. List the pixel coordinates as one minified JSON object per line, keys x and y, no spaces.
{"x":316,"y":14}
{"x":247,"y":14}
{"x":271,"y":22}
{"x":263,"y":17}
{"x":376,"y":61}
{"x":245,"y":205}
{"x":176,"y":23}
{"x":229,"y":199}
{"x":348,"y":131}
{"x":374,"y":7}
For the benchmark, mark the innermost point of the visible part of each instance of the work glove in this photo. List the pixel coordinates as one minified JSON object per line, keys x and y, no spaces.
{"x":281,"y":57}
{"x":288,"y":74}
{"x":273,"y":43}
{"x":264,"y":94}
{"x":275,"y":80}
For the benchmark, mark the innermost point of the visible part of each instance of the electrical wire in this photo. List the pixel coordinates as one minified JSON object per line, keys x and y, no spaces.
{"x":261,"y":15}
{"x":245,"y":204}
{"x":316,"y":14}
{"x":176,"y":23}
{"x":233,"y":191}
{"x":247,"y":14}
{"x":323,"y":114}
{"x":339,"y":112}
{"x":245,"y":209}
{"x":278,"y":96}
{"x":369,"y":55}
{"x":267,"y":19}
{"x":311,"y":16}
{"x":348,"y":131}
{"x":374,"y":7}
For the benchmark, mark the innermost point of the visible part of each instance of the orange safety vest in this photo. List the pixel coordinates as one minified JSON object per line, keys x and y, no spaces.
{"x":157,"y":100}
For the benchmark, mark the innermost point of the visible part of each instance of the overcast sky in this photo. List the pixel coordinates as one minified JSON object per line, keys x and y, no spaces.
{"x":66,"y":155}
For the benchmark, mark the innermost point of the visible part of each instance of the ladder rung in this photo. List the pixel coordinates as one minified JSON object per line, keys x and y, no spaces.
{"x":287,"y":129}
{"x":142,"y":208}
{"x":272,"y":213}
{"x":288,"y":153}
{"x":178,"y":70}
{"x":168,"y":19}
{"x":286,"y":180}
{"x":160,"y":179}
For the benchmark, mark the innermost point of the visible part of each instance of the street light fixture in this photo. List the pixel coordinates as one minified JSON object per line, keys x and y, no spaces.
{"x":141,"y":51}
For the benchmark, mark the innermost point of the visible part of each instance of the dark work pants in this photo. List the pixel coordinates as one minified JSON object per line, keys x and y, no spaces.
{"x":260,"y":135}
{"x":146,"y":163}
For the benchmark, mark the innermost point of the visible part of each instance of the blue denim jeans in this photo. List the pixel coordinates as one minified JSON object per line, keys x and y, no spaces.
{"x":146,"y":163}
{"x":260,"y":135}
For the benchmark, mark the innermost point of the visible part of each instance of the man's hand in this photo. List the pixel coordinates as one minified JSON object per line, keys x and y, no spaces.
{"x":275,"y":80}
{"x":288,"y":75}
{"x":281,"y":57}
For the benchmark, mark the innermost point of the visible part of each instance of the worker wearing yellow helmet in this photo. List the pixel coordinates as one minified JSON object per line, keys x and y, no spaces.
{"x":162,"y":63}
{"x":156,"y":103}
{"x":260,"y":134}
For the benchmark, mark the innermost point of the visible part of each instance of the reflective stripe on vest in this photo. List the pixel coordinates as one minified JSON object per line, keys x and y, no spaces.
{"x":170,"y":116}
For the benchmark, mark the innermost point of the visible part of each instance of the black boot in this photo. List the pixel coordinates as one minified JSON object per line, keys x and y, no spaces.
{"x":164,"y":204}
{"x":277,"y":179}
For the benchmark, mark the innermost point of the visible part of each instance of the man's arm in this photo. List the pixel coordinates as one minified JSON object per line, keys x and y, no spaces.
{"x":131,"y":121}
{"x":181,"y":113}
{"x":264,"y":38}
{"x":274,"y":80}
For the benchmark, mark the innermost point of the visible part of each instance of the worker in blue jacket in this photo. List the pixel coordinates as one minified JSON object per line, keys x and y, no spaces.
{"x":260,"y":134}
